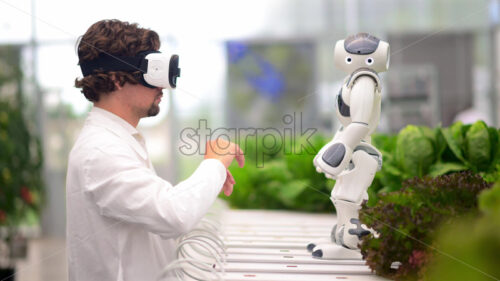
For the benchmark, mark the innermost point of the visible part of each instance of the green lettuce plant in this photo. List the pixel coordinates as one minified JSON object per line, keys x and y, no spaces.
{"x":476,"y":145}
{"x":418,"y":151}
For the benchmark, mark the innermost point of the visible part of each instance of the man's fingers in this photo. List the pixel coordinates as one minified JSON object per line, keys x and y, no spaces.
{"x":228,"y":184}
{"x":240,"y":157}
{"x":230,"y":177}
{"x":228,"y":188}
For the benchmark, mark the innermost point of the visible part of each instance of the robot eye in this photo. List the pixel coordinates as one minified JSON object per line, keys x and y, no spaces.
{"x":348,"y":60}
{"x":369,"y":61}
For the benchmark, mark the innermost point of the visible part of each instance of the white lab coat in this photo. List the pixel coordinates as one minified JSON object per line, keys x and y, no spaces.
{"x":122,"y":217}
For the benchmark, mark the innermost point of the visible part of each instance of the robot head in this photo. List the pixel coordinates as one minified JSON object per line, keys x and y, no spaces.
{"x":362,"y":51}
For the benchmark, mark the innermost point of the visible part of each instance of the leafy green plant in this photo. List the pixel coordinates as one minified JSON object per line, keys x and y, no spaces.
{"x":285,"y":179}
{"x":406,"y":221}
{"x":415,"y":151}
{"x":476,"y":145}
{"x":419,"y":151}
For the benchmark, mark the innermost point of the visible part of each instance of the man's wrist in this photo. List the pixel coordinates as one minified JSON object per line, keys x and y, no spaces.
{"x":220,"y":167}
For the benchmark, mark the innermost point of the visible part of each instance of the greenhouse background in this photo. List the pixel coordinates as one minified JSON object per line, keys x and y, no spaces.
{"x":245,"y":64}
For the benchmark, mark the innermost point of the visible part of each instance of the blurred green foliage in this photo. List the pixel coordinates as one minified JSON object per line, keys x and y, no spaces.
{"x":20,"y":168}
{"x":279,"y":174}
{"x":471,"y":244}
{"x":489,"y":200}
{"x":21,"y":185}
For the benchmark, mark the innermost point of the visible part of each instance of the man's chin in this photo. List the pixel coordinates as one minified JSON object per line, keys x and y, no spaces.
{"x":153,"y":110}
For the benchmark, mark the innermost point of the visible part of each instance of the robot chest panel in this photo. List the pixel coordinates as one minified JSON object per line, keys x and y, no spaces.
{"x":342,"y":103}
{"x":343,"y":110}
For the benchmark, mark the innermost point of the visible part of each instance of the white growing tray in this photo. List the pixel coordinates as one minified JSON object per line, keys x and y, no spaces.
{"x":271,"y":245}
{"x":237,"y":276}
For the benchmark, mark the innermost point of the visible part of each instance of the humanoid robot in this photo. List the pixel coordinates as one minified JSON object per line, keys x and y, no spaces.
{"x":349,"y":157}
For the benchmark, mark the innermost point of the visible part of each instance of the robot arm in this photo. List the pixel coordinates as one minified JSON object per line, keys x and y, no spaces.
{"x":362,"y":99}
{"x":335,"y":156}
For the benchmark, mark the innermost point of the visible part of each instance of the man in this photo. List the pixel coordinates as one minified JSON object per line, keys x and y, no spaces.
{"x":121,"y":217}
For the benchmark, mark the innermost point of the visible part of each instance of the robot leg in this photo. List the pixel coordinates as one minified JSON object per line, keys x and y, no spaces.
{"x":347,"y":196}
{"x":352,"y":184}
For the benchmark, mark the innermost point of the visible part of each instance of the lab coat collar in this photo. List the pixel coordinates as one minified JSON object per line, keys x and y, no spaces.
{"x":105,"y":119}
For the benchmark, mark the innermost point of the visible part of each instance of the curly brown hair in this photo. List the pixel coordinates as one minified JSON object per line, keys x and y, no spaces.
{"x":116,"y":38}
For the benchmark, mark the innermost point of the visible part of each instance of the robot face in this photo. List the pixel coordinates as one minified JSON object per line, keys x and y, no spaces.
{"x":362,"y":51}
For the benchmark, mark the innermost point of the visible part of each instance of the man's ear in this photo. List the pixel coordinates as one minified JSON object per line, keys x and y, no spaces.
{"x":116,"y":82}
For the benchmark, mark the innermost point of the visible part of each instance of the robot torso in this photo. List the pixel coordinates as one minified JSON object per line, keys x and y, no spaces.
{"x":343,"y":104}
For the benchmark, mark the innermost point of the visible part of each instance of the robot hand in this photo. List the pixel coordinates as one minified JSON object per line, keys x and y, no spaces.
{"x":332,"y":159}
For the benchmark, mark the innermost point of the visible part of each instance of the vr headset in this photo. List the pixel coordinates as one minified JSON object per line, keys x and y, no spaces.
{"x":157,"y":69}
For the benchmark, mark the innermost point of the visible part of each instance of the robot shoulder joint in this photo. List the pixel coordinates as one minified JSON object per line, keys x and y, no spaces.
{"x":364,"y":72}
